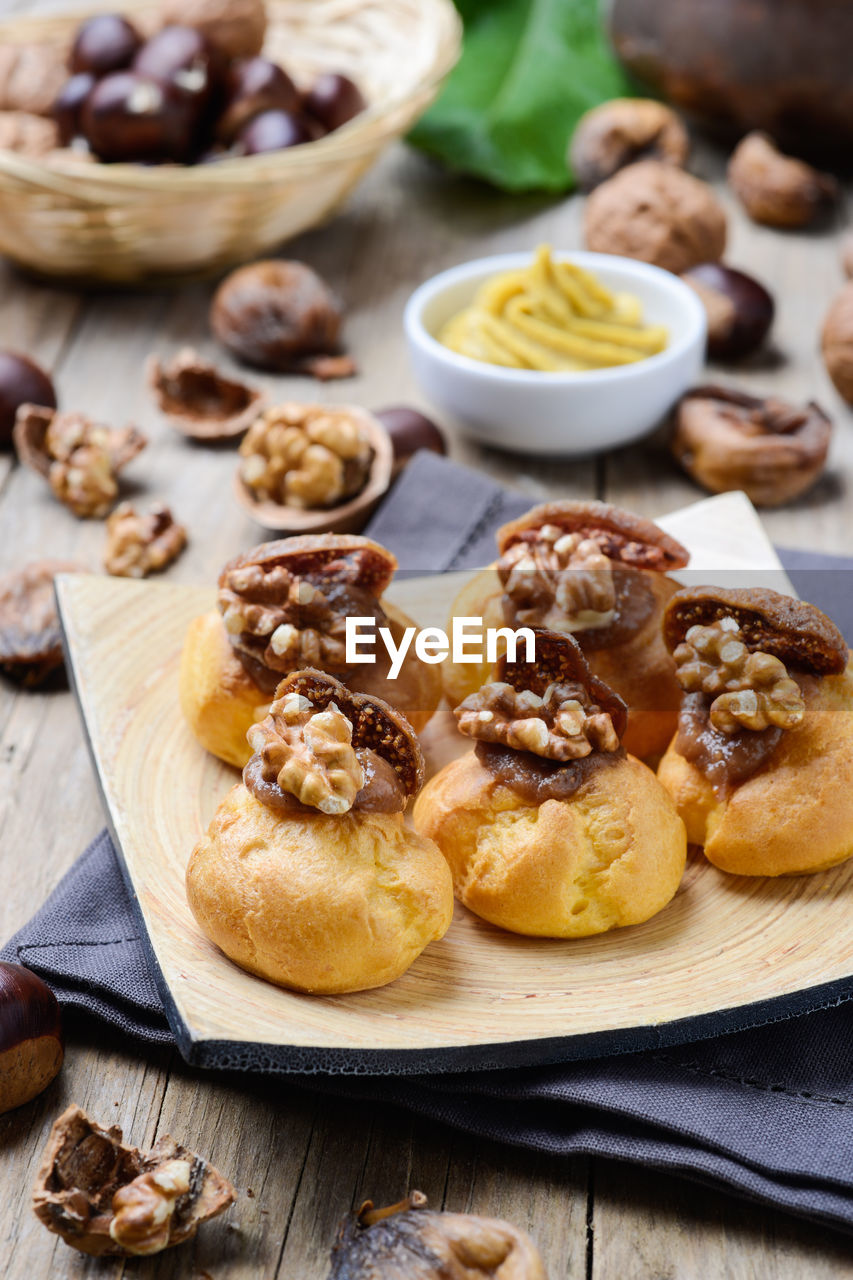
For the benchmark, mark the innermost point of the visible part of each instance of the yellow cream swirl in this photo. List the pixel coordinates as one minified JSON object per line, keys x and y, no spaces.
{"x":553,"y":317}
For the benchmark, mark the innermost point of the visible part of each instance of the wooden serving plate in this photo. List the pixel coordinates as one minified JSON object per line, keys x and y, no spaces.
{"x":726,"y":953}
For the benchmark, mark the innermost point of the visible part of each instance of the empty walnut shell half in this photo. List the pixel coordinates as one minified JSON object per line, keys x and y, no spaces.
{"x":799,"y":634}
{"x":30,"y":635}
{"x":621,"y":535}
{"x":199,"y":401}
{"x":108,"y":1199}
{"x":345,"y":516}
{"x":776,"y":189}
{"x":408,"y":1241}
{"x":726,"y":439}
{"x":376,"y":726}
{"x":622,"y":131}
{"x":560,"y":660}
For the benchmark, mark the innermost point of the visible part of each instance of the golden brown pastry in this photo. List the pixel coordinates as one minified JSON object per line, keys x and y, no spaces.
{"x":761,"y":768}
{"x":308,"y":875}
{"x":283,"y":606}
{"x":549,"y":827}
{"x":599,"y":574}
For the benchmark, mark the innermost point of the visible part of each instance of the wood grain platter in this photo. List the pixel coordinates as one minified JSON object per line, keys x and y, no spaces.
{"x":726,"y":953}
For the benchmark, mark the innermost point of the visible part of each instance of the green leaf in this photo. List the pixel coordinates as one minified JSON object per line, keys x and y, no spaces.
{"x":529,"y":69}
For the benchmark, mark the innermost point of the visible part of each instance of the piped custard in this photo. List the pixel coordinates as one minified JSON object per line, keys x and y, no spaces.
{"x":553,"y":317}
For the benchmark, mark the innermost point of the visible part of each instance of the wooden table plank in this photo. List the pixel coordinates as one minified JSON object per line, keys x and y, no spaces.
{"x":308,"y":1162}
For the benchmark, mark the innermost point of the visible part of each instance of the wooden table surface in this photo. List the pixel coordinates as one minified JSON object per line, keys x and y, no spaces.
{"x":300,"y":1164}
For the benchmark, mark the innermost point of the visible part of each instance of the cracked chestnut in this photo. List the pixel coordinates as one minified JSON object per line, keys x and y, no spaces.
{"x":21,"y":382}
{"x":103,"y":44}
{"x":31,"y":1044}
{"x":740,"y":310}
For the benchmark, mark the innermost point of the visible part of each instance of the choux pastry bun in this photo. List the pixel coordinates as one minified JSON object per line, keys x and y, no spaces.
{"x":761,"y":768}
{"x":549,"y":827}
{"x":283,"y":606}
{"x":598,"y":573}
{"x":308,"y":875}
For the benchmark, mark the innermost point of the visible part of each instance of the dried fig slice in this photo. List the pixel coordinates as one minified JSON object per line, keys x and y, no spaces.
{"x":621,"y":536}
{"x":199,"y":401}
{"x":560,"y":660}
{"x":30,"y":635}
{"x":376,"y":726}
{"x":799,"y":634}
{"x":108,"y":1199}
{"x":409,"y":1241}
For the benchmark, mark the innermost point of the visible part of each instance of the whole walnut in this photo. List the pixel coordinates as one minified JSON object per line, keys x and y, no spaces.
{"x":31,"y":75}
{"x":28,"y":134}
{"x":657,"y":213}
{"x":235,"y":27}
{"x":776,"y":189}
{"x":837,"y":342}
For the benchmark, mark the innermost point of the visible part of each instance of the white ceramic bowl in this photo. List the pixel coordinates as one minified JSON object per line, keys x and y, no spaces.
{"x":563,"y":414}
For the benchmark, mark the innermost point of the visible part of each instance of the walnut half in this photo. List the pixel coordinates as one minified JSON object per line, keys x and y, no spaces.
{"x":752,"y":690}
{"x":309,"y":753}
{"x":305,"y":456}
{"x":564,"y":724}
{"x":142,"y":543}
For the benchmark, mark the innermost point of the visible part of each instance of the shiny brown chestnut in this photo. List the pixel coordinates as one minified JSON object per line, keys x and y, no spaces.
{"x":740,"y":310}
{"x":333,"y":100}
{"x":274,"y":313}
{"x":31,"y":1044}
{"x":21,"y":382}
{"x":104,"y":43}
{"x":130,"y":117}
{"x":182,"y":56}
{"x":271,"y":131}
{"x":68,"y":106}
{"x":254,"y":85}
{"x":410,"y":430}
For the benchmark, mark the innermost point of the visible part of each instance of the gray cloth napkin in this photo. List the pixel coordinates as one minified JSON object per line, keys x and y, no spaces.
{"x":766,"y":1113}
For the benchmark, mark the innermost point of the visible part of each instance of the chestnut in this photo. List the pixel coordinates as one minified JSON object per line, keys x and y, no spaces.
{"x":21,"y":382}
{"x":271,"y":131}
{"x":68,"y":106}
{"x":410,"y":430}
{"x":182,"y":56}
{"x":103,"y":44}
{"x":128,"y":116}
{"x":333,"y":100}
{"x":254,"y":85}
{"x":31,"y":1045}
{"x":740,"y":310}
{"x":274,"y":313}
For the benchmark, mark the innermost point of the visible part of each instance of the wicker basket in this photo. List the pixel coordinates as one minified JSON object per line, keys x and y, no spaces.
{"x":134,"y":224}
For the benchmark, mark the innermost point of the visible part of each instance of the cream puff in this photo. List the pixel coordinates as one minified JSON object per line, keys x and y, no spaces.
{"x":600,"y":574}
{"x":549,"y":826}
{"x":308,"y":875}
{"x":761,"y":767}
{"x":283,"y":606}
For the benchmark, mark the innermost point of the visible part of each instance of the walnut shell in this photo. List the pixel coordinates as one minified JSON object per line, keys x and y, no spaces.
{"x":31,"y":76}
{"x":86,"y":1167}
{"x":199,"y":401}
{"x":30,"y":635}
{"x":837,"y":342}
{"x":776,"y":189}
{"x":657,"y":213}
{"x":27,"y":134}
{"x":235,"y":27}
{"x":623,"y":536}
{"x":621,"y":132}
{"x":728,"y":440}
{"x":797,"y":633}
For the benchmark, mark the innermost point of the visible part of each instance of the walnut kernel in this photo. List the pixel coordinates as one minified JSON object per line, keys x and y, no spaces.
{"x":309,"y":753}
{"x":752,"y":690}
{"x":139,"y":544}
{"x":305,"y":456}
{"x":561,"y":581}
{"x":776,"y":189}
{"x":142,"y":1211}
{"x":563,"y":724}
{"x":657,"y":213}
